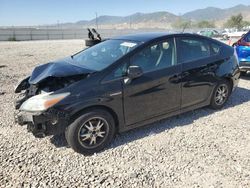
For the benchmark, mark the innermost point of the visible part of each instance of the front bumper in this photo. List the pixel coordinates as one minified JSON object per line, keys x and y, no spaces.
{"x":244,"y":66}
{"x":51,"y":122}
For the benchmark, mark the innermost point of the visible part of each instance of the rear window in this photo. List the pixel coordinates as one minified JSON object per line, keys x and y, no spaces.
{"x":191,"y":49}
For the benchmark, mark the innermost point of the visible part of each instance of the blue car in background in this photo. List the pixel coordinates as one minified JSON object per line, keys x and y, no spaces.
{"x":243,"y":50}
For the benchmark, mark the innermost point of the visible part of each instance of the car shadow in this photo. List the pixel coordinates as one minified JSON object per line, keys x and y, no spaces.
{"x":59,"y":141}
{"x":238,"y":97}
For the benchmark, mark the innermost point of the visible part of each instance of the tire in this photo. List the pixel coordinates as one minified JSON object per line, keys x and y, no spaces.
{"x":91,"y":132}
{"x":219,"y":98}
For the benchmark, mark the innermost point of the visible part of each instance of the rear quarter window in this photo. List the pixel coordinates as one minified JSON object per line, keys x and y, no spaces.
{"x":191,"y":49}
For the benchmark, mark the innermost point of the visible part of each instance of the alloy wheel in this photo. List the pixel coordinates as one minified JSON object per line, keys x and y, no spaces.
{"x":221,"y":94}
{"x":93,"y":132}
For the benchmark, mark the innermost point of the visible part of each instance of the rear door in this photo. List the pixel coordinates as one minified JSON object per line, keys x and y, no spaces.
{"x":199,"y":64}
{"x":157,"y":91}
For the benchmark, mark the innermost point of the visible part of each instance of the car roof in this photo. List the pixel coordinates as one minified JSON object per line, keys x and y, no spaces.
{"x":145,"y":37}
{"x":142,"y":37}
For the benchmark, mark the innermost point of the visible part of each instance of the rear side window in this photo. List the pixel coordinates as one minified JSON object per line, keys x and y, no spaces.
{"x":191,"y":49}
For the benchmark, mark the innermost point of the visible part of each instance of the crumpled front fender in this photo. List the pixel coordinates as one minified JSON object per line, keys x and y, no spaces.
{"x":23,"y":85}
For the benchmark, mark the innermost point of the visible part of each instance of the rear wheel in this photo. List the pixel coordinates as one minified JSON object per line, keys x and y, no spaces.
{"x":91,"y":132}
{"x":220,"y":95}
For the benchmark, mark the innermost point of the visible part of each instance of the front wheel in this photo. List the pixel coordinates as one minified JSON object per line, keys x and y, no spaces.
{"x":220,"y":95}
{"x":91,"y":132}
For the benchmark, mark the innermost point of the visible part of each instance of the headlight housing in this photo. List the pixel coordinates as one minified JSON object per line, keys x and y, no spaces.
{"x":42,"y":102}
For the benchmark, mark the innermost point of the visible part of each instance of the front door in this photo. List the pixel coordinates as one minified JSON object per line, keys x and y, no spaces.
{"x":158,"y":90}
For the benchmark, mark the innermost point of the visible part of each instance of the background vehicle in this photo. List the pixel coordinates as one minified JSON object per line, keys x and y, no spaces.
{"x":210,"y":33}
{"x":124,"y":83}
{"x":233,"y":33}
{"x":243,"y":50}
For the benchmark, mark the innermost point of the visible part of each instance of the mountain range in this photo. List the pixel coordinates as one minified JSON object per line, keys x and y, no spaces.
{"x":166,"y":19}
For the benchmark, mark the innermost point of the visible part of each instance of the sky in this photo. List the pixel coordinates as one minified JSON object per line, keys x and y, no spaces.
{"x":40,"y":12}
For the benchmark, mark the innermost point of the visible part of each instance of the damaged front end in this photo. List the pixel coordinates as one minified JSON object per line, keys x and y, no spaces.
{"x":39,"y":93}
{"x":42,"y":124}
{"x":48,"y":85}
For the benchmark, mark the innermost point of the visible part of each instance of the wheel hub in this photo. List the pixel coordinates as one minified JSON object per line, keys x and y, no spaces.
{"x":93,"y":132}
{"x":221,"y":94}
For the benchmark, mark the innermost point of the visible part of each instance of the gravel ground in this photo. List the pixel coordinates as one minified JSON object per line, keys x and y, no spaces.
{"x":202,"y":148}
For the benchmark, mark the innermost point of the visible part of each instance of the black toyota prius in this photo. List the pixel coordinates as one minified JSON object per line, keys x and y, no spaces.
{"x":123,"y":83}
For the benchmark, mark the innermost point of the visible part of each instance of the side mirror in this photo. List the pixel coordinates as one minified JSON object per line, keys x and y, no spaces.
{"x":134,"y":72}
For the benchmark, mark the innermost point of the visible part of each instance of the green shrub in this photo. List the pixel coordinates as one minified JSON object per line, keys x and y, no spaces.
{"x":12,"y":39}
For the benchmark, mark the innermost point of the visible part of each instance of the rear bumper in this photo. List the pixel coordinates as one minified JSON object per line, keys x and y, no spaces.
{"x":43,"y":124}
{"x":244,"y":66}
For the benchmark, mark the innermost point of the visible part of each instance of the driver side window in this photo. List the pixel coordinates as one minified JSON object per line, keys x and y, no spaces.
{"x":157,"y":56}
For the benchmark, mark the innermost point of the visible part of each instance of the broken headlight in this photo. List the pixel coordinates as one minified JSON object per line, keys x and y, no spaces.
{"x":42,"y":102}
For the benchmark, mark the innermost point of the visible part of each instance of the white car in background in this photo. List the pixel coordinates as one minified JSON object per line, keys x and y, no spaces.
{"x":233,"y":33}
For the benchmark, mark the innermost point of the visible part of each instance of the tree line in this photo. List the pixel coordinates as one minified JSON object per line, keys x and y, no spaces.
{"x":235,"y":21}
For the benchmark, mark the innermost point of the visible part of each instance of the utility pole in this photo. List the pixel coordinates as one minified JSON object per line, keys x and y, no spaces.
{"x":96,"y":21}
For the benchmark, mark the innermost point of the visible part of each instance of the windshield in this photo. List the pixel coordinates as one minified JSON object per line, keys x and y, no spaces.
{"x":103,"y":54}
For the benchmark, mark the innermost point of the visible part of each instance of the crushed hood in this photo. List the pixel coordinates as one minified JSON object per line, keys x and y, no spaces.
{"x":60,"y":68}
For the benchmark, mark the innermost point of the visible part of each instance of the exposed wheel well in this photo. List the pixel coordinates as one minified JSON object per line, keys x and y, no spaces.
{"x":109,"y":110}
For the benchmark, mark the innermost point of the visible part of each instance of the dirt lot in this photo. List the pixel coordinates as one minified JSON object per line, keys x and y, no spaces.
{"x":202,"y":148}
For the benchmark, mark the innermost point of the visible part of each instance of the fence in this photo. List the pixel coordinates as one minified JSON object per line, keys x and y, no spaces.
{"x":21,"y":34}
